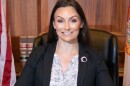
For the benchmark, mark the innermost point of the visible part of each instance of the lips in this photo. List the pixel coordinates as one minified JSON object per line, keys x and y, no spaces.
{"x":67,"y":33}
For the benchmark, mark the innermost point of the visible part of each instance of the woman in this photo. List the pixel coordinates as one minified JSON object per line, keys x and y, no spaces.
{"x":67,"y":59}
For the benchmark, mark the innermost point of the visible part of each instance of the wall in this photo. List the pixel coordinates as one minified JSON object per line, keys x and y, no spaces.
{"x":31,"y":17}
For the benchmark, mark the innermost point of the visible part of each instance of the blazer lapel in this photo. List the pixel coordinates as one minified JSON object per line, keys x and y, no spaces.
{"x":83,"y":60}
{"x":48,"y":64}
{"x":48,"y":59}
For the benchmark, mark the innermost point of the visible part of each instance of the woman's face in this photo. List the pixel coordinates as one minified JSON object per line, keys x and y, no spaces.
{"x":67,"y":23}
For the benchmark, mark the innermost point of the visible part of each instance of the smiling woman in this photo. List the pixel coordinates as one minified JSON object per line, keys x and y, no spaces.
{"x":67,"y":59}
{"x":67,"y":23}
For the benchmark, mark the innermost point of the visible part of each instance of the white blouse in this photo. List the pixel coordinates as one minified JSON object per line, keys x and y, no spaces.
{"x":69,"y":78}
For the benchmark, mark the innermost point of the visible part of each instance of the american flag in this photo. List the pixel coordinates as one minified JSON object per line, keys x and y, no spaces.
{"x":7,"y":69}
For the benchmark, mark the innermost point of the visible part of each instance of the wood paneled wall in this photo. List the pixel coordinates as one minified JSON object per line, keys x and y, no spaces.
{"x":23,"y":17}
{"x":31,"y":17}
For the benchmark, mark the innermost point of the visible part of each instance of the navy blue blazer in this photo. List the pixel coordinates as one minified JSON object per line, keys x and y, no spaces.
{"x":37,"y":70}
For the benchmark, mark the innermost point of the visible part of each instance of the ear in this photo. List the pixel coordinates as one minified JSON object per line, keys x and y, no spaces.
{"x":54,"y":25}
{"x":82,"y":24}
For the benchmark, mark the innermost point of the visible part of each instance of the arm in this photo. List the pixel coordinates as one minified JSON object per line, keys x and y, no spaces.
{"x":27,"y":76}
{"x":102,"y":75}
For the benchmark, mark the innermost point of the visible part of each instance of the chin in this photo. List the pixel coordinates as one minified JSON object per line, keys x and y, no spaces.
{"x":69,"y":40}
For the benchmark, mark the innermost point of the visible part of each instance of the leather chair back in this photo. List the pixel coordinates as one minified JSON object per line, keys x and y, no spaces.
{"x":102,"y":41}
{"x":107,"y":44}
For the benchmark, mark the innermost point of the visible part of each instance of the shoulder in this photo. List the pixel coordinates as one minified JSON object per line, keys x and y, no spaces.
{"x":93,"y":54}
{"x":90,"y":50}
{"x":39,"y":51}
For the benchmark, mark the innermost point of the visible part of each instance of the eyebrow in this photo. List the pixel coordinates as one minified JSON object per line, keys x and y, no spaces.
{"x":69,"y":18}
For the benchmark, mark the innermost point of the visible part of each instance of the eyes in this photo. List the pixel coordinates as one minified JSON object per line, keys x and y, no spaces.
{"x":61,"y":21}
{"x":72,"y":20}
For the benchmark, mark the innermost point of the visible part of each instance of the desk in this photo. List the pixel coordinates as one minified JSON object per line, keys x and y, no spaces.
{"x":121,"y":70}
{"x":121,"y":73}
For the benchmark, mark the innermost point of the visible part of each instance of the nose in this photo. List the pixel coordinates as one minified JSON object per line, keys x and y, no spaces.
{"x":67,"y":26}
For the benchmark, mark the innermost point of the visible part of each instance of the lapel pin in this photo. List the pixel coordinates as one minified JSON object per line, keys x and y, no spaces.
{"x":84,"y":59}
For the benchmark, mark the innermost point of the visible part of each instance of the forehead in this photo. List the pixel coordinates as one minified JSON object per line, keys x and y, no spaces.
{"x":66,"y":11}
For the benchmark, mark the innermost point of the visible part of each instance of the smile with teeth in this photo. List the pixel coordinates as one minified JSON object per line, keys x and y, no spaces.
{"x":67,"y":33}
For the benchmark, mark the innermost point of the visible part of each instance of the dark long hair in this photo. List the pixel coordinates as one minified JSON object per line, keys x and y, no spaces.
{"x":83,"y":36}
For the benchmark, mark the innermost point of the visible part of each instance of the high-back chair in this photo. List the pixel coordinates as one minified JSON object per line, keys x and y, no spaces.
{"x":102,"y":41}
